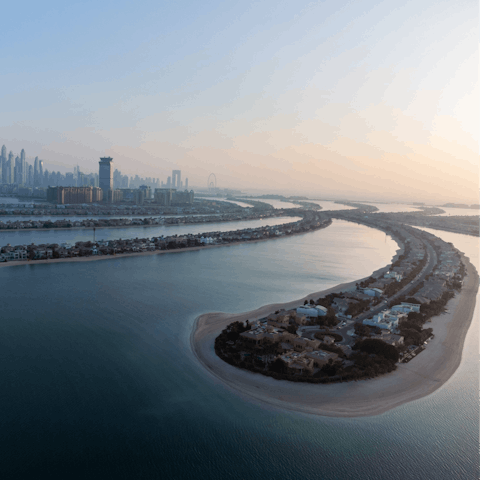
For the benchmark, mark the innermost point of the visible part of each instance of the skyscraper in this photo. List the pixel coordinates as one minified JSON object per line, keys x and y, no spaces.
{"x":10,"y":168}
{"x":3,"y":165}
{"x":40,"y":174}
{"x":36,"y":172}
{"x":105,"y":174}
{"x":30,"y":176}
{"x":22,"y":177}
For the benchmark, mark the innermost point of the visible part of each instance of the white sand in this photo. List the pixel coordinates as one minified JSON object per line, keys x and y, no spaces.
{"x":416,"y":379}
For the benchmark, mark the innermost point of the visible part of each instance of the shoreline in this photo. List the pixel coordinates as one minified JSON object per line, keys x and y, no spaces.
{"x":134,"y":226}
{"x":92,"y":258}
{"x":420,"y":377}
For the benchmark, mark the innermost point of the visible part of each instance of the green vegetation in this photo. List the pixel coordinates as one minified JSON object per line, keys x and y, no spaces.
{"x":377,"y":347}
{"x":357,"y":307}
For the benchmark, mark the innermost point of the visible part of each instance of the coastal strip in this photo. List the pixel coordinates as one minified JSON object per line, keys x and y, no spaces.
{"x":414,"y":380}
{"x":92,"y":258}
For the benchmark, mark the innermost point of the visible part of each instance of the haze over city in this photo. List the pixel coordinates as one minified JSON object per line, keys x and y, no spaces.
{"x":239,"y":240}
{"x":365,"y":100}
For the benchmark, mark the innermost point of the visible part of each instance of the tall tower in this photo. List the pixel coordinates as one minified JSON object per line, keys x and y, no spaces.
{"x":105,"y":175}
{"x":36,"y":172}
{"x":10,"y":168}
{"x":22,"y":177}
{"x":3,"y":165}
{"x":30,"y":179}
{"x":41,"y":182}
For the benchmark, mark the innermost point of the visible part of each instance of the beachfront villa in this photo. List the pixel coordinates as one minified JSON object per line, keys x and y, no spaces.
{"x":373,"y":292}
{"x":405,"y":307}
{"x":385,"y":320}
{"x":397,"y":276}
{"x":312,"y":311}
{"x":282,"y":318}
{"x":300,"y":362}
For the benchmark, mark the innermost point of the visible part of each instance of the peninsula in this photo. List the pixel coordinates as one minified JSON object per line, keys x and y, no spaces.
{"x":22,"y":254}
{"x":349,"y":332}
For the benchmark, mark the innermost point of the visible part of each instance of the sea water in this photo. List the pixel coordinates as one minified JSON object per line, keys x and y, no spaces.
{"x":99,"y":380}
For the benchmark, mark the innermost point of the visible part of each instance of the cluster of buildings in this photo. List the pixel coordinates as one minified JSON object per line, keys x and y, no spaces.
{"x":18,"y":176}
{"x":129,"y":222}
{"x":388,"y":319}
{"x":167,"y":243}
{"x":14,"y":169}
{"x":299,"y":354}
{"x":200,"y":207}
{"x":446,"y":271}
{"x":107,"y":192}
{"x":74,"y":195}
{"x":312,"y":311}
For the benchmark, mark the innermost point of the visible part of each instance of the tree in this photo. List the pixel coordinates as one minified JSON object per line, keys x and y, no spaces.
{"x":278,"y":366}
{"x":292,"y":329}
{"x":377,"y":347}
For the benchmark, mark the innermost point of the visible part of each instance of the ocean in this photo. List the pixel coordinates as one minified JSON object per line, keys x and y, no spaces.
{"x":99,"y":380}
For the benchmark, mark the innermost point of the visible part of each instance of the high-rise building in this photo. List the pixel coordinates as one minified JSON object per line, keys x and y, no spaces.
{"x":176,"y":179}
{"x":117,"y":179}
{"x":10,"y":168}
{"x":30,"y":175}
{"x":163,"y":196}
{"x":186,"y":184}
{"x":22,"y":177}
{"x":3,"y":164}
{"x":105,"y":174}
{"x":97,"y":194}
{"x":36,"y":173}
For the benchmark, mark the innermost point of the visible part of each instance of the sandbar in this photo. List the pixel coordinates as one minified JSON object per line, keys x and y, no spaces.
{"x":420,"y":377}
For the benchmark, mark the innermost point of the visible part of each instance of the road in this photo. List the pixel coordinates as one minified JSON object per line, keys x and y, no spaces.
{"x":309,"y":332}
{"x":427,"y":269}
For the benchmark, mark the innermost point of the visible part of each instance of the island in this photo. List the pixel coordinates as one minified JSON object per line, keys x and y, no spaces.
{"x":418,"y":307}
{"x":309,"y":220}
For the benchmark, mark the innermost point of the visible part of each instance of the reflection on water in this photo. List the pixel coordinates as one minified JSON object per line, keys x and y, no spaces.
{"x":99,"y":380}
{"x":449,"y":212}
{"x":25,"y":237}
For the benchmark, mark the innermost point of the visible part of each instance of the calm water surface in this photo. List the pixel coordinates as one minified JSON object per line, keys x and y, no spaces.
{"x":99,"y":380}
{"x":449,"y":212}
{"x":26,"y":237}
{"x":240,"y":204}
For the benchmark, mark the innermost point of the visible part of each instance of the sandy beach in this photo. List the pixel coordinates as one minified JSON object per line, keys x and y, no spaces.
{"x":421,"y":376}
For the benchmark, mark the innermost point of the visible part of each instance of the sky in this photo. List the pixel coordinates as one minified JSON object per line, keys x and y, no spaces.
{"x":335,"y":99}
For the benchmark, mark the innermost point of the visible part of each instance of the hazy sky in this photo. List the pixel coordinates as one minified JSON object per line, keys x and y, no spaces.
{"x":355,"y":99}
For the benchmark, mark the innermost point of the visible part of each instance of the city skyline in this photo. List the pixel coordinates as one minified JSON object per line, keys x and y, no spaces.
{"x":325,"y":98}
{"x":15,"y":170}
